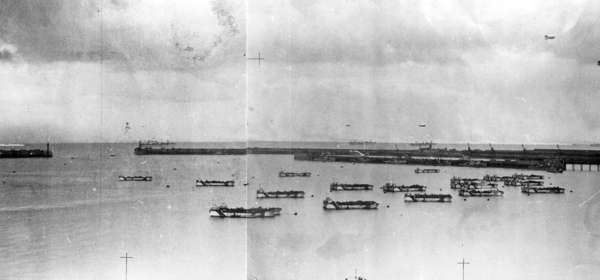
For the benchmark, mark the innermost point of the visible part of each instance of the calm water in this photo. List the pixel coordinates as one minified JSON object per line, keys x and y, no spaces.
{"x":69,"y":218}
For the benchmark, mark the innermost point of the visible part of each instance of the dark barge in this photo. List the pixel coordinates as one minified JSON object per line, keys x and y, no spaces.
{"x":350,"y":187}
{"x":27,"y":153}
{"x":390,"y":187}
{"x":330,"y":204}
{"x":427,"y":197}
{"x":135,"y":178}
{"x":458,"y":182}
{"x":294,"y":174}
{"x":240,"y":212}
{"x":484,"y":191}
{"x":427,"y":170}
{"x":214,"y":183}
{"x":260,"y":193}
{"x":532,"y":190}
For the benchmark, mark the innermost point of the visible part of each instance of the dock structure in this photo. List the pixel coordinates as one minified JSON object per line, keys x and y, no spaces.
{"x":26,"y":153}
{"x":427,"y":197}
{"x":260,"y":193}
{"x":551,"y":160}
{"x":350,"y":187}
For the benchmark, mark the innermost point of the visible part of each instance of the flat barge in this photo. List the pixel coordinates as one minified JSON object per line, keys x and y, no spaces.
{"x":294,"y":174}
{"x":330,"y":204}
{"x":427,"y":197}
{"x":260,"y":193}
{"x":350,"y":187}
{"x":482,"y":192}
{"x":135,"y":178}
{"x":240,"y":212}
{"x":521,"y":183}
{"x":427,"y":170}
{"x":214,"y":183}
{"x":533,"y":190}
{"x":27,"y":153}
{"x":458,"y":182}
{"x":390,"y":187}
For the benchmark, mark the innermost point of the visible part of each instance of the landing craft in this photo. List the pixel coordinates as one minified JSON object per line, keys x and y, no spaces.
{"x":422,"y":125}
{"x":549,"y":37}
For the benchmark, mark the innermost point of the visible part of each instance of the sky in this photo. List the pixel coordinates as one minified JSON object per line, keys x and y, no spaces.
{"x":471,"y":71}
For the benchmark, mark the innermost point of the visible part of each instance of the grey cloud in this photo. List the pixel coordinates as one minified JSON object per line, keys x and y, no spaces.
{"x":59,"y":30}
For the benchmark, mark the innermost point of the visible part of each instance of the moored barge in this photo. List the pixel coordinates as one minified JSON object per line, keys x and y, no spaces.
{"x":390,"y":187}
{"x":458,"y":182}
{"x":214,"y":183}
{"x":294,"y":174}
{"x":489,"y":191}
{"x":523,"y":183}
{"x":135,"y":178}
{"x":350,"y":187}
{"x":427,"y":197}
{"x":427,"y":170}
{"x":240,"y":212}
{"x":330,"y":204}
{"x":533,"y":189}
{"x":260,"y":193}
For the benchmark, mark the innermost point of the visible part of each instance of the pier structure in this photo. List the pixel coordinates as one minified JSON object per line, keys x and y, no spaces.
{"x":551,"y":160}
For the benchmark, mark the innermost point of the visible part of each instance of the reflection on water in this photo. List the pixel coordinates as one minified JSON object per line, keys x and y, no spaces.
{"x":68,"y":217}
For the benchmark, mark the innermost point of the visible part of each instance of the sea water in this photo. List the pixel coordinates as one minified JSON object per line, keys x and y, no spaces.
{"x":68,"y":217}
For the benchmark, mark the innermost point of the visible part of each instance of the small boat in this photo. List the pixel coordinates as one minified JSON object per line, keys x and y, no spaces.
{"x":135,"y":178}
{"x":214,"y":183}
{"x":294,"y":174}
{"x":240,"y":212}
{"x":485,"y":191}
{"x":427,"y":197}
{"x":330,"y":204}
{"x":390,"y":187}
{"x":260,"y":193}
{"x":350,"y":187}
{"x":534,"y":189}
{"x":427,"y":170}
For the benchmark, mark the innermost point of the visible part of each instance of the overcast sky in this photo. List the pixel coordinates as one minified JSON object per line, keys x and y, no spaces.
{"x":472,"y":71}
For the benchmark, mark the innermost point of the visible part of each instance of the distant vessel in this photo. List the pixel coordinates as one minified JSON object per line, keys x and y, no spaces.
{"x":427,"y":197}
{"x":534,"y":189}
{"x":528,"y":176}
{"x":330,"y":204}
{"x":240,"y":212}
{"x":25,"y":153}
{"x":350,"y":187}
{"x":294,"y":174}
{"x":355,"y":142}
{"x":214,"y":183}
{"x":427,"y":170}
{"x":260,"y":193}
{"x":135,"y":178}
{"x":390,"y":187}
{"x":423,"y":144}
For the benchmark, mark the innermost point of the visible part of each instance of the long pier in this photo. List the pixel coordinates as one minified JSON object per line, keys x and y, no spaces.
{"x":552,"y":160}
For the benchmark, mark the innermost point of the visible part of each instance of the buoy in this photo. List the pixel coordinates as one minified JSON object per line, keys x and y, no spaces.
{"x":388,"y":206}
{"x":295,"y":213}
{"x":168,"y":186}
{"x":465,"y":199}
